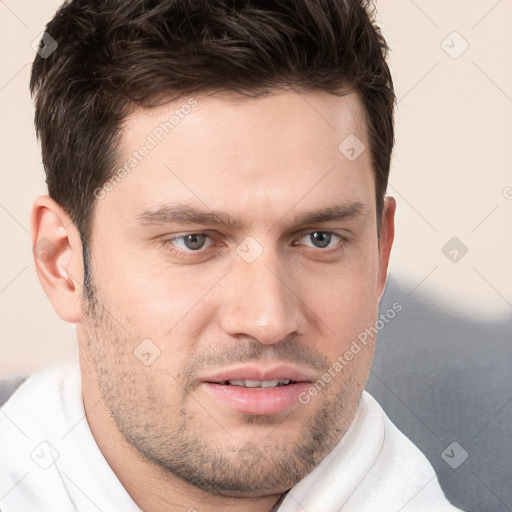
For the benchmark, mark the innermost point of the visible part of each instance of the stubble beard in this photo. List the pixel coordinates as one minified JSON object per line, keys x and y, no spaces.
{"x":177,"y":441}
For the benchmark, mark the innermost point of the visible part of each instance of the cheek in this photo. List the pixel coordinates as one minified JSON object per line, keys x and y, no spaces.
{"x":158,"y":301}
{"x":344,"y":302}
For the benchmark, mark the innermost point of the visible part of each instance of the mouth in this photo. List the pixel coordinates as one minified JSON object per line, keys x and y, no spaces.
{"x":257,"y":384}
{"x":256,"y":390}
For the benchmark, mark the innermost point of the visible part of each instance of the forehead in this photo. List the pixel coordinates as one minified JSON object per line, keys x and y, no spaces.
{"x":260,"y":155}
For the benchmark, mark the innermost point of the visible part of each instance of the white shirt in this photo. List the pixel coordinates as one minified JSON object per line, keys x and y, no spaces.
{"x":49,"y":460}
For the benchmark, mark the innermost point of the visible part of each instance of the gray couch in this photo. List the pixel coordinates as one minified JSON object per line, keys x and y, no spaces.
{"x":446,"y":379}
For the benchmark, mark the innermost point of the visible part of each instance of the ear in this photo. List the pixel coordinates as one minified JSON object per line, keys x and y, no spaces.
{"x":387,"y":234}
{"x":58,"y":257}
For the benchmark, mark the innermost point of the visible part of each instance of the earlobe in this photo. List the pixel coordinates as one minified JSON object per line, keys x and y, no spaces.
{"x":387,"y":234}
{"x":58,"y":257}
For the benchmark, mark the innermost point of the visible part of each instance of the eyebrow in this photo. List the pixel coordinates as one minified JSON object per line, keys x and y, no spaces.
{"x":185,"y":214}
{"x":329,"y":213}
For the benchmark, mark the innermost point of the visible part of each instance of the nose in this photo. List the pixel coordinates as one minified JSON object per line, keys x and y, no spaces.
{"x":260,"y":302}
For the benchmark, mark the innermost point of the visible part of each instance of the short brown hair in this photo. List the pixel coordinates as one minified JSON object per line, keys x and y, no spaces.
{"x":113,"y":55}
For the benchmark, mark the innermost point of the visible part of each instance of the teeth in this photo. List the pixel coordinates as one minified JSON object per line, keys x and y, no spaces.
{"x":269,"y":383}
{"x":236,"y":382}
{"x":253,"y":383}
{"x":247,"y":383}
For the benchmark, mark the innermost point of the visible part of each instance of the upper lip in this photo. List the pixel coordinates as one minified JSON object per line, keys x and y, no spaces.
{"x":259,"y":373}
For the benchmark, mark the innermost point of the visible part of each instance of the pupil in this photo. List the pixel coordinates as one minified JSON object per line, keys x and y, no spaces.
{"x":321,"y":239}
{"x":195,"y":241}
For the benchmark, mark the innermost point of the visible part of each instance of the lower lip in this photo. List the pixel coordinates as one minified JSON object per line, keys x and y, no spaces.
{"x":257,"y":400}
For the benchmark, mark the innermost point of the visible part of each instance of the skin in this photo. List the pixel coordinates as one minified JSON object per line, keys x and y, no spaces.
{"x":263,"y":161}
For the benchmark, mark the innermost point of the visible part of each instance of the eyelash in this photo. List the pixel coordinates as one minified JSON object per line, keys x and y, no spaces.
{"x":192,"y":254}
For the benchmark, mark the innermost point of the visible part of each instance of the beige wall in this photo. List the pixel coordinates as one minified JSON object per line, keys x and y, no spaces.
{"x":451,"y":174}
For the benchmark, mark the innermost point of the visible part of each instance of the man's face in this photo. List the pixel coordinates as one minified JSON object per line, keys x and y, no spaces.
{"x":181,"y":329}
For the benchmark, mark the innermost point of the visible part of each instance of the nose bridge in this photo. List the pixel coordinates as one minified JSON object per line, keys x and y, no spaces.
{"x":259,"y":302}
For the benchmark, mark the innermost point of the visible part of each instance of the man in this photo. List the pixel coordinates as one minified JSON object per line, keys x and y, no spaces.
{"x":218,"y":231}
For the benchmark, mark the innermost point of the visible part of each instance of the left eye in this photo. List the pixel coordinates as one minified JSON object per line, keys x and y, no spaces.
{"x":322,"y":239}
{"x":191,"y":242}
